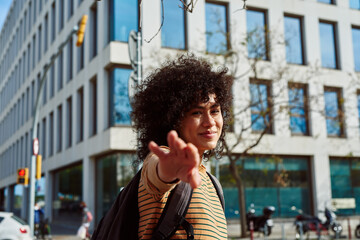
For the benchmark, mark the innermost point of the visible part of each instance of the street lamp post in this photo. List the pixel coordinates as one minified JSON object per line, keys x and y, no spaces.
{"x":80,"y":32}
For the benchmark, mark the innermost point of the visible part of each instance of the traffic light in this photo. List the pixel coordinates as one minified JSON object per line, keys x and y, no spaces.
{"x":23,"y":176}
{"x":80,"y":33}
{"x":38,"y":167}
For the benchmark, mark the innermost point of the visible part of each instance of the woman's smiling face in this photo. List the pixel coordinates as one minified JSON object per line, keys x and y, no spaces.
{"x":202,"y":125}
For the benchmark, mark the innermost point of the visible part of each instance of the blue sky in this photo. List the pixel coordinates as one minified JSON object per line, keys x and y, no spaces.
{"x":4,"y":8}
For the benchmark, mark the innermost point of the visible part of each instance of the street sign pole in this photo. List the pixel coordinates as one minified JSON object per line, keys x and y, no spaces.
{"x":34,"y":129}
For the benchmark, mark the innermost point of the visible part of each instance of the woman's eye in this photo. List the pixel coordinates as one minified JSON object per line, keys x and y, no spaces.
{"x":196,"y":113}
{"x":215,"y":111}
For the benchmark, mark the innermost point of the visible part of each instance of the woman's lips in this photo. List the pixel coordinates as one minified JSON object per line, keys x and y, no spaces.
{"x":208,"y":134}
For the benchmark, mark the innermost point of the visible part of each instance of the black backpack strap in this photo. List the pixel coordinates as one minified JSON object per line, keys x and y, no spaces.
{"x":174,"y":213}
{"x":218,"y":188}
{"x":122,"y":220}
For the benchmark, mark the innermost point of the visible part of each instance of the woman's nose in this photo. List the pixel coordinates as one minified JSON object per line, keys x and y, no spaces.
{"x":208,"y":120}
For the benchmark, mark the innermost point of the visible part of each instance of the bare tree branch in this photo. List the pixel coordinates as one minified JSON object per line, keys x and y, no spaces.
{"x":162,"y":23}
{"x":188,"y":7}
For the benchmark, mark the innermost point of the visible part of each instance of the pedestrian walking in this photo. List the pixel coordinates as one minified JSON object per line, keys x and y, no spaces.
{"x":87,"y":218}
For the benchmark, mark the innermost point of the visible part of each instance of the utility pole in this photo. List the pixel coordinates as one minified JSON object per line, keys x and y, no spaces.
{"x":79,"y":30}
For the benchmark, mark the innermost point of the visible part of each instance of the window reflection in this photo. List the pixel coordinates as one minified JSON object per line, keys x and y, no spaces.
{"x":67,"y":196}
{"x":119,"y":97}
{"x":356,"y":47}
{"x":257,"y":34}
{"x":328,"y":45}
{"x":173,"y":29}
{"x":327,"y":1}
{"x":294,"y":41}
{"x":298,"y":109}
{"x":113,"y":173}
{"x":279,"y":181}
{"x":18,"y":196}
{"x":355,"y":4}
{"x":216,"y":28}
{"x":260,"y":106}
{"x":333,"y":112}
{"x":123,"y":18}
{"x":358,"y":105}
{"x":345,"y":182}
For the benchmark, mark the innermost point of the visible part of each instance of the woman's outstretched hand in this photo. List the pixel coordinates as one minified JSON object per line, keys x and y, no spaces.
{"x":182,"y":162}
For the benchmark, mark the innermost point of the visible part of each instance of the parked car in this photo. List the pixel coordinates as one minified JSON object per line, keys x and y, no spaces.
{"x":13,"y":227}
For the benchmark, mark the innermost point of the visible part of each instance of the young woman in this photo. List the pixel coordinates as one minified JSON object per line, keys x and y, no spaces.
{"x":181,"y":113}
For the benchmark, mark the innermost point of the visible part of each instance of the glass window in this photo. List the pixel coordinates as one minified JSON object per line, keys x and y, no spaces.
{"x":260,"y":106}
{"x":93,"y":106}
{"x":358,"y":105}
{"x":52,"y":81}
{"x":59,"y":128}
{"x":39,"y":43}
{"x":33,"y":51}
{"x":60,"y":71}
{"x":113,"y":173}
{"x":217,"y":35}
{"x":51,"y":134}
{"x":43,"y":138}
{"x":345,"y":182}
{"x":70,"y":60}
{"x":61,"y":15}
{"x":45,"y":90}
{"x":298,"y":109}
{"x":80,"y":55}
{"x":173,"y":29}
{"x":80,"y":114}
{"x":70,"y":8}
{"x":18,"y":195}
{"x":53,"y":19}
{"x":329,"y":58}
{"x":282,"y":182}
{"x":333,"y":112}
{"x":355,"y":4}
{"x":356,"y":47}
{"x":257,"y":39}
{"x":69,"y":122}
{"x":123,"y":16}
{"x":40,"y":189}
{"x":93,"y":32}
{"x":294,"y":40}
{"x":67,"y":196}
{"x":46,"y":24}
{"x":119,"y":98}
{"x":327,"y":1}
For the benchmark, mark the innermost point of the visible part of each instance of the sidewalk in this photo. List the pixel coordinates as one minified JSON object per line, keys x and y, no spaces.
{"x":64,"y":232}
{"x":283,"y":230}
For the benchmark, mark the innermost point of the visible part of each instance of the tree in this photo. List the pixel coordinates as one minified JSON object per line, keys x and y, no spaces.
{"x":257,"y":108}
{"x":256,"y":111}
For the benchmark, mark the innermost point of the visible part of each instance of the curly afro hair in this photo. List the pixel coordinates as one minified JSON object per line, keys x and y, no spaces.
{"x":169,"y":92}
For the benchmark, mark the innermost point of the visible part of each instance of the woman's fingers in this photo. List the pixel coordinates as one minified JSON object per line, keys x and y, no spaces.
{"x":195,"y":179}
{"x":176,"y":144}
{"x":184,"y":160}
{"x":157,"y":150}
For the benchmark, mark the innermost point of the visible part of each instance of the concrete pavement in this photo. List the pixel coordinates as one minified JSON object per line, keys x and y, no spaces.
{"x":283,"y":230}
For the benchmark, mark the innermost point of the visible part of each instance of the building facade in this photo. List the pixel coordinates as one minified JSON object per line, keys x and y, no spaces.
{"x":84,"y":129}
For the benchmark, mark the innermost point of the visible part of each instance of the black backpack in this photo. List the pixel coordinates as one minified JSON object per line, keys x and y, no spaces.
{"x":122,"y":220}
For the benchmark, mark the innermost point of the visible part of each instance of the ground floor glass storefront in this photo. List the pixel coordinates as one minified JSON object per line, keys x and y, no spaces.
{"x":279,"y":181}
{"x":345,"y":182}
{"x":3,"y":196}
{"x":18,"y":196}
{"x":68,"y":194}
{"x":113,"y":172}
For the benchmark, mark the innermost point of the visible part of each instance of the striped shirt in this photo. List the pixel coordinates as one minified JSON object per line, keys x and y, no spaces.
{"x":205,"y":212}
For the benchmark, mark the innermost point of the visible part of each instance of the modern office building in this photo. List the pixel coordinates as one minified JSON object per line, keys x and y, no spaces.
{"x":84,"y":129}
